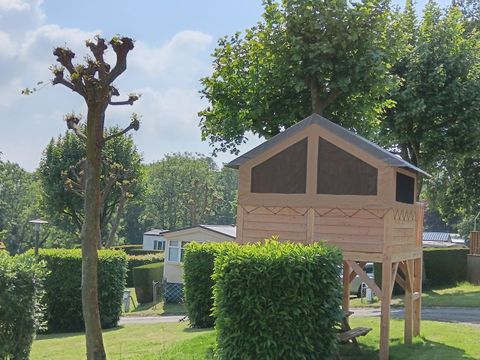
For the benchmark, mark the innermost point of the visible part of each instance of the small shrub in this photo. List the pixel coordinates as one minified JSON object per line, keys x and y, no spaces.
{"x":198,"y":271}
{"x":143,"y":276}
{"x":21,"y":290}
{"x":63,"y":288}
{"x":277,"y":301}
{"x":445,"y":266}
{"x":144,"y":252}
{"x":140,"y":260}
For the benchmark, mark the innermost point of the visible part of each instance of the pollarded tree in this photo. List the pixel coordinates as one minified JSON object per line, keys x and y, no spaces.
{"x":93,"y":81}
{"x":331,"y":57}
{"x":62,"y":175}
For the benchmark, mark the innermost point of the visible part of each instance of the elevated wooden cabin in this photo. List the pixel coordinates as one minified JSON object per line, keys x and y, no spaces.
{"x":317,"y":181}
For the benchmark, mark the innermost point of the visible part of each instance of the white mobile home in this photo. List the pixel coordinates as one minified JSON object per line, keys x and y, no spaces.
{"x":175,"y":243}
{"x":154,"y":240}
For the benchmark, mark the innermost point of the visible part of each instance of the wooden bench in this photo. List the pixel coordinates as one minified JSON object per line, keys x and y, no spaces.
{"x":347,"y":334}
{"x":352,"y":334}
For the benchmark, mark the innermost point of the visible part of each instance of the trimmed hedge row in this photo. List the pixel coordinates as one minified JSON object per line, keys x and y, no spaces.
{"x":136,"y":249}
{"x":277,"y":301}
{"x":21,"y":290}
{"x":442,"y":267}
{"x":198,"y":269}
{"x":445,"y":266}
{"x":63,"y":288}
{"x":140,"y":260}
{"x":143,"y":276}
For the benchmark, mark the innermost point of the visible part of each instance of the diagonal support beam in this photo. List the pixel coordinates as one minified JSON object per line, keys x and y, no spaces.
{"x":363,"y":275}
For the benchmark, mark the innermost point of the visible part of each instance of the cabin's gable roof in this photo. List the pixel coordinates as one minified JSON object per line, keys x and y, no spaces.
{"x":369,"y":147}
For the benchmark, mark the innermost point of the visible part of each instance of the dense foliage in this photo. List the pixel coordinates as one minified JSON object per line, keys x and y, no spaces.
{"x":140,"y":260}
{"x":198,"y":270}
{"x":436,"y":102}
{"x":21,"y":291}
{"x":302,"y":57}
{"x":277,"y":301}
{"x":19,"y":202}
{"x":445,"y":267}
{"x":63,"y":288}
{"x":143,"y":278}
{"x":186,"y":190}
{"x":62,"y":174}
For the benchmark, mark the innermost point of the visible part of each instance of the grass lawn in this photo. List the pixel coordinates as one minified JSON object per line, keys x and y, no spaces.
{"x":462,"y":295}
{"x":152,"y":309}
{"x":169,"y":341}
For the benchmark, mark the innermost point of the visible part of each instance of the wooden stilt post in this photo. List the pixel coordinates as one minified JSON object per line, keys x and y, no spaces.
{"x":346,"y":287}
{"x":385,"y":310}
{"x":408,"y":331}
{"x":417,"y":293}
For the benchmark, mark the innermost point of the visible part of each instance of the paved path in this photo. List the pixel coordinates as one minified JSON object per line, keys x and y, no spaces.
{"x":148,"y":319}
{"x":444,"y":314}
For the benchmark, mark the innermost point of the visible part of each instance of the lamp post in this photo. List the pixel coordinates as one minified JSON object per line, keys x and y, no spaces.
{"x":37,"y":223}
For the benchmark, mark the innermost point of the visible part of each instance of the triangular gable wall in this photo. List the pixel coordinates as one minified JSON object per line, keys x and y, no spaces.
{"x":385,"y":174}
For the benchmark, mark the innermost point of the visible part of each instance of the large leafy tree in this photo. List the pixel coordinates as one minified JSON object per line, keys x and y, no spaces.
{"x":93,"y":81}
{"x":187,"y":190}
{"x":330,"y":57}
{"x":19,"y":203}
{"x":436,"y":111}
{"x":62,"y":174}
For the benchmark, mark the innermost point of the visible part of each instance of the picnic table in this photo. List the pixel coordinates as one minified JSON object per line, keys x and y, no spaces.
{"x":347,"y":334}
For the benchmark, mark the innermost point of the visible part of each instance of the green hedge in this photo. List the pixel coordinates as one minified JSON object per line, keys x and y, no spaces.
{"x":198,"y":270}
{"x":145,"y":252}
{"x":143,"y":276}
{"x":277,"y":301}
{"x":63,"y":288}
{"x":445,"y":266}
{"x":21,"y":290}
{"x":140,"y":260}
{"x":442,"y":266}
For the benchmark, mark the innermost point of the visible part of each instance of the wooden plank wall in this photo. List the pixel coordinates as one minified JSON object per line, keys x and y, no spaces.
{"x":404,"y":234}
{"x":261,"y":223}
{"x":362,"y":232}
{"x":353,"y":231}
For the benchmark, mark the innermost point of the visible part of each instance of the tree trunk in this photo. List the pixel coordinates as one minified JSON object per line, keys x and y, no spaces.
{"x":117,"y":219}
{"x":318,"y":105}
{"x":91,"y":238}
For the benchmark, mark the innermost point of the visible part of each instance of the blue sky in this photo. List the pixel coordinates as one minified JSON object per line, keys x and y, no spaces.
{"x":174,"y":40}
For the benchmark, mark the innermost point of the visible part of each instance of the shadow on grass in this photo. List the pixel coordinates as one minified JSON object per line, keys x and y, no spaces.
{"x":47,"y":336}
{"x":422,"y":349}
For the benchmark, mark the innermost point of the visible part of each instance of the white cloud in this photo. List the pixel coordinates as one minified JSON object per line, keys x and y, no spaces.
{"x":167,"y":75}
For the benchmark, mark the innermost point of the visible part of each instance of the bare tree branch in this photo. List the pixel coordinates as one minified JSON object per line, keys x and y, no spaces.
{"x":98,"y":50}
{"x":131,"y":99}
{"x":72,"y":124}
{"x":134,"y":125}
{"x":121,"y":46}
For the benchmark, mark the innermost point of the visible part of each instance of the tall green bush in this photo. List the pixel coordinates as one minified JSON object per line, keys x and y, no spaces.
{"x":140,"y":260}
{"x":198,"y":270}
{"x":143,"y":278}
{"x":21,"y":290}
{"x":63,"y":288}
{"x":277,"y":301}
{"x":445,"y":266}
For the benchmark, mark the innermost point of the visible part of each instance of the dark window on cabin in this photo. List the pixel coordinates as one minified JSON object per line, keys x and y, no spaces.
{"x":341,"y":173}
{"x":284,"y":173}
{"x":405,"y":189}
